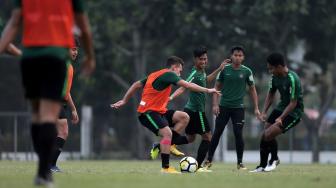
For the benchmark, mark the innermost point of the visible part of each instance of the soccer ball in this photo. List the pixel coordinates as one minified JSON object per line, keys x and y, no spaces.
{"x":188,"y":164}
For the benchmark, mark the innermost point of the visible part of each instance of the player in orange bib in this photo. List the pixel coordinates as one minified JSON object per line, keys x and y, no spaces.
{"x":153,"y":112}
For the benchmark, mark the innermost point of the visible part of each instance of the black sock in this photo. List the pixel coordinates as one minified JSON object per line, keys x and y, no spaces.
{"x":47,"y":137}
{"x":274,"y":150}
{"x":165,"y":160}
{"x":202,"y":151}
{"x":264,"y":152}
{"x":58,"y":149}
{"x":35,"y":131}
{"x":177,"y":139}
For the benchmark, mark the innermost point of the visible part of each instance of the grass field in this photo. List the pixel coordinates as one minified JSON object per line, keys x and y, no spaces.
{"x":145,"y":174}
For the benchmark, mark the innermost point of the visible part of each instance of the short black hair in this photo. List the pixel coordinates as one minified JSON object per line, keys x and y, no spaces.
{"x":237,"y":48}
{"x":198,"y":52}
{"x":276,"y":59}
{"x":174,"y":60}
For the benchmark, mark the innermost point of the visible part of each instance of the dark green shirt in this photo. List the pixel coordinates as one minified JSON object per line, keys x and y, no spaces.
{"x":62,"y":53}
{"x":196,"y":101}
{"x":234,"y":83}
{"x":289,"y":88}
{"x":163,"y":81}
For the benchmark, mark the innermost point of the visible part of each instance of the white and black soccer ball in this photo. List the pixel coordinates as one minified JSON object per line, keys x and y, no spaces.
{"x":188,"y":164}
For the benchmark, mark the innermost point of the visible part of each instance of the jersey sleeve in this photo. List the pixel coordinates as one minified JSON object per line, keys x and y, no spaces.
{"x":144,"y":80}
{"x":295,"y":87}
{"x":170,"y":78}
{"x":249,"y":78}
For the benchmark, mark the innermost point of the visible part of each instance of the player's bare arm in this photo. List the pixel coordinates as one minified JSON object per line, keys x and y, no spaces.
{"x":13,"y":50}
{"x":177,"y":93}
{"x":290,"y":107}
{"x":215,"y":99}
{"x":213,"y":75}
{"x":268,"y":102}
{"x":74,"y":114}
{"x":10,"y":30}
{"x":89,"y":60}
{"x":196,"y":88}
{"x":254,"y":96}
{"x":130,"y":92}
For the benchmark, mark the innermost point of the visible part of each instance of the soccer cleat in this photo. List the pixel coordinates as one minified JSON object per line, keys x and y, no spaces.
{"x":241,"y":166}
{"x":272,"y":166}
{"x":258,"y":169}
{"x":39,"y":181}
{"x":55,"y":169}
{"x":170,"y":170}
{"x":175,"y":151}
{"x":203,"y":169}
{"x":207,"y":165}
{"x":154,"y":153}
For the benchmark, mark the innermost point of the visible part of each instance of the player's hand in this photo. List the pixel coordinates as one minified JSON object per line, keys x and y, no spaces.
{"x":257,"y":113}
{"x":89,"y":66}
{"x":215,"y":110}
{"x":279,"y":121}
{"x":214,"y":91}
{"x":118,"y":104}
{"x":224,"y":63}
{"x":75,"y":118}
{"x":262,"y":117}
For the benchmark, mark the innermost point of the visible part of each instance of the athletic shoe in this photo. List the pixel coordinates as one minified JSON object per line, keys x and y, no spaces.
{"x":175,"y":151}
{"x":39,"y":181}
{"x":170,"y":170}
{"x":55,"y":169}
{"x":203,"y":169}
{"x":258,"y":169}
{"x":154,"y":153}
{"x":241,"y":166}
{"x":272,"y":166}
{"x":207,"y":164}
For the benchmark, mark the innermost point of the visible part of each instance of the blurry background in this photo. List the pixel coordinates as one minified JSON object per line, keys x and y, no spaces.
{"x":134,"y":37}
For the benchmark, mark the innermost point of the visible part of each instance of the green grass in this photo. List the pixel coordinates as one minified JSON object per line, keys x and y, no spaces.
{"x":145,"y":174}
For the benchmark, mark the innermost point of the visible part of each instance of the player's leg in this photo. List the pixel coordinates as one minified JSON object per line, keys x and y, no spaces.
{"x":273,"y":148}
{"x":221,"y":121}
{"x":202,"y":127}
{"x":62,"y":135}
{"x":178,"y":120}
{"x":203,"y":150}
{"x":238,"y":116}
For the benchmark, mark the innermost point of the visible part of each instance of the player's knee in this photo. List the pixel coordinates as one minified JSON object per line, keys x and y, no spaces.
{"x":166,"y":133}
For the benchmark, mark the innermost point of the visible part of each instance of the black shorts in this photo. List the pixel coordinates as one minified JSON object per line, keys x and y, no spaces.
{"x":288,"y":123}
{"x":198,"y":123}
{"x":155,"y":121}
{"x":44,"y":77}
{"x":64,"y":113}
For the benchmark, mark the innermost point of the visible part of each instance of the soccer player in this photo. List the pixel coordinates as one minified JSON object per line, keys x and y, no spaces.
{"x":232,"y":82}
{"x":47,"y":37}
{"x":153,"y":113}
{"x":62,"y":122}
{"x":286,"y":114}
{"x":195,"y":107}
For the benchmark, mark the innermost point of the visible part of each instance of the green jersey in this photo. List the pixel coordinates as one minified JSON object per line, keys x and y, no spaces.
{"x":163,"y":81}
{"x":289,"y":88}
{"x":234,"y":83}
{"x":196,"y":101}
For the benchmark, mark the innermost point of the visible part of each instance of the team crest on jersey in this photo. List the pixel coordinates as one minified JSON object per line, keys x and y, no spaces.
{"x":241,"y":76}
